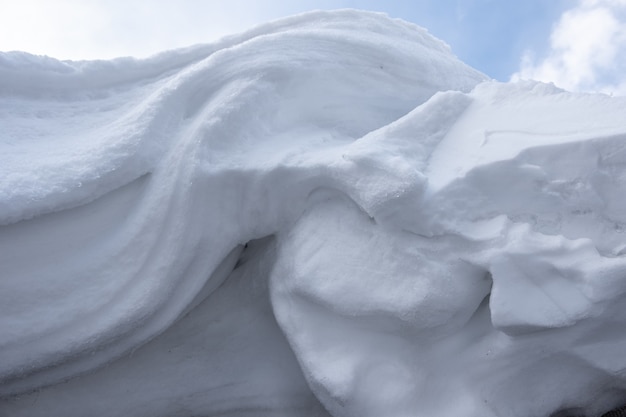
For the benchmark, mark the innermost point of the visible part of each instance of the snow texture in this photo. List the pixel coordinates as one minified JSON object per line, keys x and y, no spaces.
{"x":327,"y":215}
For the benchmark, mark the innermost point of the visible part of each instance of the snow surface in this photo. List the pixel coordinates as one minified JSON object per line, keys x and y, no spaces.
{"x":327,"y":215}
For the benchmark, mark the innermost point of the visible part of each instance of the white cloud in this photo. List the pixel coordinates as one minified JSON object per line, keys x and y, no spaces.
{"x":587,"y":50}
{"x":88,"y":29}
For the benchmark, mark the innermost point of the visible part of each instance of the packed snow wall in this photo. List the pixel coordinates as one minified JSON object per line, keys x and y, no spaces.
{"x":326,"y":215}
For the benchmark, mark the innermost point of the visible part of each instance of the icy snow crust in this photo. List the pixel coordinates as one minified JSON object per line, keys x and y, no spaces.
{"x":422,"y":241}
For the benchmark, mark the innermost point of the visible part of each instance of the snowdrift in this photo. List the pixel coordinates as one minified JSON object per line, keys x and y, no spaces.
{"x":328,"y":215}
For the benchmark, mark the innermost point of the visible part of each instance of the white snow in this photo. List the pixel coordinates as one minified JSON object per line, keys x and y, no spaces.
{"x":422,"y":241}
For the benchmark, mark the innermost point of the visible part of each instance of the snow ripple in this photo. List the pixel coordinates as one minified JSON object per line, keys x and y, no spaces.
{"x":419,"y":233}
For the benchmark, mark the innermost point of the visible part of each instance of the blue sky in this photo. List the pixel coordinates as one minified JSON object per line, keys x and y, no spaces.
{"x":489,"y":35}
{"x":502,"y":38}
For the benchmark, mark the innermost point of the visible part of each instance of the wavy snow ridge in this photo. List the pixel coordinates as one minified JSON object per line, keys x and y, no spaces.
{"x":419,"y":233}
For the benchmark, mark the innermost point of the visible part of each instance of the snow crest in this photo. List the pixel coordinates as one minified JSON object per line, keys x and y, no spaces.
{"x":326,"y":215}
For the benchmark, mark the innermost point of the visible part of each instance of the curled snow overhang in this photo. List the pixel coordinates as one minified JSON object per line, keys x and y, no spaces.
{"x":328,"y":214}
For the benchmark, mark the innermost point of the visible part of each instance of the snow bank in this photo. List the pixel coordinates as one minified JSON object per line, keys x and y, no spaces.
{"x":429,"y":242}
{"x":494,"y":289}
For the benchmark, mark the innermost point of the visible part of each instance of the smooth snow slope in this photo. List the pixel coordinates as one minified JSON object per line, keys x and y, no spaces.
{"x":430,"y":243}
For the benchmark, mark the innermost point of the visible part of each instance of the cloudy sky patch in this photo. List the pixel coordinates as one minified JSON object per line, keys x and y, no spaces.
{"x":587,"y":50}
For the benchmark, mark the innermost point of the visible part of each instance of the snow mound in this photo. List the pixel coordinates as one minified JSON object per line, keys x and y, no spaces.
{"x":330,"y":208}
